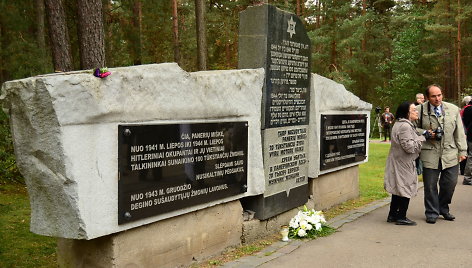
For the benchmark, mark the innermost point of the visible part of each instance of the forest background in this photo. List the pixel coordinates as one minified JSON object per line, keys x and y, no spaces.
{"x":384,"y":51}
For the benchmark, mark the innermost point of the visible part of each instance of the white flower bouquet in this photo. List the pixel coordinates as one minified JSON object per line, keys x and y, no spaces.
{"x":308,"y":224}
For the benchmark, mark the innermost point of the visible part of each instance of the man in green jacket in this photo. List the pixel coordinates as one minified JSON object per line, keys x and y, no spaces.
{"x":444,"y":148}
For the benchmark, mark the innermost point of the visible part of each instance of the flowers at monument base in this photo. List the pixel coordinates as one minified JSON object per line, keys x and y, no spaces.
{"x":308,"y":223}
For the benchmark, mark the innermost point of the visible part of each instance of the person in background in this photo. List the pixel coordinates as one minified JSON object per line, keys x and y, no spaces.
{"x":419,"y":165}
{"x":444,"y":148}
{"x":400,"y":177}
{"x":419,"y":99}
{"x":387,"y":119}
{"x":466,"y":114}
{"x":465,"y":121}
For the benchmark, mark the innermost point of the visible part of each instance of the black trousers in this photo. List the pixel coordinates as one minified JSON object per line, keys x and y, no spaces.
{"x":387,"y":129}
{"x":399,"y":206}
{"x":436,"y":201}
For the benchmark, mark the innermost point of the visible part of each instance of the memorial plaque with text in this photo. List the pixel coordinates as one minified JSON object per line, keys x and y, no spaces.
{"x":343,"y":140}
{"x":277,"y":41}
{"x":286,"y":159}
{"x":288,"y":71}
{"x":164,"y":168}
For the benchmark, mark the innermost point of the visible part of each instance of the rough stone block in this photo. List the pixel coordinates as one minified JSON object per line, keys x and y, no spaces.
{"x":65,"y":131}
{"x":329,"y":97}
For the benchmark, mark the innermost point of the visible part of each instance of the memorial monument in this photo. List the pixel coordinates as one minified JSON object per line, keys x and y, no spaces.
{"x":174,"y":158}
{"x":277,"y":41}
{"x":339,"y":131}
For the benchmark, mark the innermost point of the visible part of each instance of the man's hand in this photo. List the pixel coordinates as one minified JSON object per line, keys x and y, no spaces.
{"x":429,"y":135}
{"x":462,"y":158}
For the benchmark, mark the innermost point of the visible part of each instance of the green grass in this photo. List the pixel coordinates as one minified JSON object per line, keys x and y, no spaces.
{"x":370,"y":181}
{"x":18,"y":246}
{"x":371,"y":174}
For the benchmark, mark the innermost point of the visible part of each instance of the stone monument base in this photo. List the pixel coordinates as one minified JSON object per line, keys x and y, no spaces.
{"x":173,"y":242}
{"x":336,"y":187}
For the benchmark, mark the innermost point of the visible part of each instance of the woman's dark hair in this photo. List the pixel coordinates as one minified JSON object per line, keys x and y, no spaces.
{"x":403,"y":110}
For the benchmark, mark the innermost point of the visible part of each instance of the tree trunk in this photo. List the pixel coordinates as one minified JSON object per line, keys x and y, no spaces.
{"x":39,"y":9}
{"x":91,"y":34}
{"x":109,"y":21}
{"x":138,"y":27}
{"x":2,"y":65}
{"x":201,"y":34}
{"x":450,"y":87}
{"x":228,"y":54}
{"x":459,"y":50}
{"x":59,"y":36}
{"x":175,"y":30}
{"x":363,"y":87}
{"x":298,"y":8}
{"x":333,"y":52}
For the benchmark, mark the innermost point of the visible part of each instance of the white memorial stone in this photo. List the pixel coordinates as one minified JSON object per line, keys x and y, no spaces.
{"x":65,"y":131}
{"x":329,"y":97}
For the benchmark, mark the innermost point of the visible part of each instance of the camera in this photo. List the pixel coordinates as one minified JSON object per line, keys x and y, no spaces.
{"x":439,"y":133}
{"x":378,"y":109}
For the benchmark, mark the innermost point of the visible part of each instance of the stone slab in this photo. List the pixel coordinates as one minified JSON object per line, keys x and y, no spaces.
{"x":277,"y":41}
{"x":330,"y":97}
{"x":65,"y":129}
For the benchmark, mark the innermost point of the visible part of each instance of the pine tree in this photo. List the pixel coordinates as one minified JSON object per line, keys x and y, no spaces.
{"x":91,"y":34}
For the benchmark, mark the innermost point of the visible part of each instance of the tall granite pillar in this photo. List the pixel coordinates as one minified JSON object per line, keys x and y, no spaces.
{"x":278,"y":42}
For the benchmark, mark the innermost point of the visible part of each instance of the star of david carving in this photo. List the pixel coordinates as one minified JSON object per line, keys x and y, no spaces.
{"x":291,"y":27}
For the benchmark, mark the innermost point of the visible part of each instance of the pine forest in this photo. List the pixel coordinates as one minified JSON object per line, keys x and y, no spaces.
{"x":381,"y":50}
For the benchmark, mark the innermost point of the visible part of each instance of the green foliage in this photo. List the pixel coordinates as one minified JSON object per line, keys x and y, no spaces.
{"x":385,"y":51}
{"x":8,"y":169}
{"x":19,"y":52}
{"x":325,"y":231}
{"x":405,"y":67}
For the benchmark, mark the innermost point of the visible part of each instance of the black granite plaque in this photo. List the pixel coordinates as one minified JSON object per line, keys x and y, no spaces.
{"x":285,"y":54}
{"x":343,"y":140}
{"x":288,"y":71}
{"x":164,"y":168}
{"x":277,"y":41}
